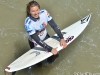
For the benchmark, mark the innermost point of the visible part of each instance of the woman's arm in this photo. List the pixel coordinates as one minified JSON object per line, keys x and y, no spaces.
{"x":40,"y":42}
{"x":56,"y":28}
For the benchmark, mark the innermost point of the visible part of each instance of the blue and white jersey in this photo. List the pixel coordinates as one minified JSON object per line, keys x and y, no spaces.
{"x":33,"y":25}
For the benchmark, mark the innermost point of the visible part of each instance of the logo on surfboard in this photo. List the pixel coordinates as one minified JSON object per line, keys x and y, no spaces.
{"x":69,"y":39}
{"x":36,"y":52}
{"x":63,"y":33}
{"x":84,"y":20}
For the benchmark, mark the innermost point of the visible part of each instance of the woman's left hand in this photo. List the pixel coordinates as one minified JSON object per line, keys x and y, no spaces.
{"x":63,"y":43}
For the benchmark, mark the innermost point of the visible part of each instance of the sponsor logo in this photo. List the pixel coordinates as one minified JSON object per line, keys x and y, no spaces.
{"x":36,"y":52}
{"x":44,"y":24}
{"x":63,"y":33}
{"x":69,"y":39}
{"x":84,"y":20}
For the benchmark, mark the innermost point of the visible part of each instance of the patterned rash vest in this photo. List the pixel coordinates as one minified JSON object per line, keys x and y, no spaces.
{"x":33,"y":25}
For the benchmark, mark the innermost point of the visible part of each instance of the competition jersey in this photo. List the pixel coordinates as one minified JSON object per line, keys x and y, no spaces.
{"x":33,"y":25}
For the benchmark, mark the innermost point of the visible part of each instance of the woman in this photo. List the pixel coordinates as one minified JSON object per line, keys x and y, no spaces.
{"x":35,"y":25}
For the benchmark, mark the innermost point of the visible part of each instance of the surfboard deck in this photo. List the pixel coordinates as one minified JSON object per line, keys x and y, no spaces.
{"x":38,"y":54}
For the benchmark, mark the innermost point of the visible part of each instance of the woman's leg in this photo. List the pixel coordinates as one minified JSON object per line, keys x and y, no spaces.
{"x":31,"y":44}
{"x":53,"y":57}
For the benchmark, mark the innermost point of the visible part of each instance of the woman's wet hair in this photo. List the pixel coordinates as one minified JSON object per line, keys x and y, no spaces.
{"x":29,"y":5}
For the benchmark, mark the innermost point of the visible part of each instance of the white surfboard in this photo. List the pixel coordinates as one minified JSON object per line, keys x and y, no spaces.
{"x":38,"y":54}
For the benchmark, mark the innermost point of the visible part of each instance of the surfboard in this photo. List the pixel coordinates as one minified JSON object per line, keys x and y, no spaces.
{"x":38,"y":54}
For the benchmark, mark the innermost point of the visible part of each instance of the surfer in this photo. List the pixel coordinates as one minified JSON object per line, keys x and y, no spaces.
{"x":35,"y":25}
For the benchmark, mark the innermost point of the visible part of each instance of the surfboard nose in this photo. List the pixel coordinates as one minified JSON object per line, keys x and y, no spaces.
{"x":86,"y":19}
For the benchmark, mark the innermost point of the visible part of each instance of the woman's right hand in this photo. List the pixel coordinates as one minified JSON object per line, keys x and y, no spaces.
{"x":54,"y":51}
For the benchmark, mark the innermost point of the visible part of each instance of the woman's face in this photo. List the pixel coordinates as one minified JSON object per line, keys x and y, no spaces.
{"x":34,"y":11}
